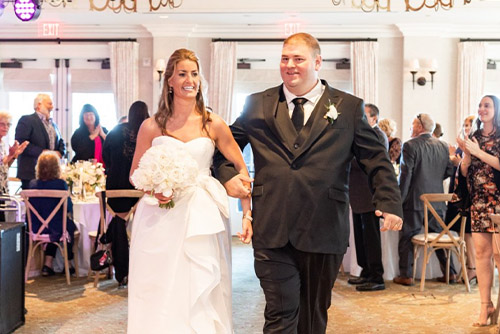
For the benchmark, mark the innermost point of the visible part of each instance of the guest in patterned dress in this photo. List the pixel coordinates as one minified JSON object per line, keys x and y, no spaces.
{"x":389,"y":127}
{"x":7,"y":157}
{"x":480,"y":164}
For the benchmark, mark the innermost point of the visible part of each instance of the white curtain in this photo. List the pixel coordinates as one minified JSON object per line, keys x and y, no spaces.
{"x":364,"y":71}
{"x":470,"y":80}
{"x":124,"y":61}
{"x":222,"y":73}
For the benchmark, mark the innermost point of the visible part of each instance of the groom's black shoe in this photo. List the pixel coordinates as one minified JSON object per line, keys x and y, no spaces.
{"x":370,"y":286}
{"x":357,"y":280}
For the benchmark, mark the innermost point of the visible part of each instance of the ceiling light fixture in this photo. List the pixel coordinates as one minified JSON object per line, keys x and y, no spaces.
{"x":58,"y":3}
{"x":27,"y":10}
{"x":370,"y":5}
{"x":436,"y":4}
{"x":122,"y":5}
{"x":164,"y":3}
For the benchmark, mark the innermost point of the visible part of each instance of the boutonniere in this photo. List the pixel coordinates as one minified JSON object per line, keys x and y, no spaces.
{"x":332,"y":114}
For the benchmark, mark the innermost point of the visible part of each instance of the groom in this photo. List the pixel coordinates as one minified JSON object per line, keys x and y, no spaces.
{"x":303,"y":135}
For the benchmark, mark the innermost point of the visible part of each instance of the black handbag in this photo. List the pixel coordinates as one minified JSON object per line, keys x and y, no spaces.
{"x":101,"y":259}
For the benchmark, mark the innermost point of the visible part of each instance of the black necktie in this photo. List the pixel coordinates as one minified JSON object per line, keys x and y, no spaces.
{"x":298,"y":113}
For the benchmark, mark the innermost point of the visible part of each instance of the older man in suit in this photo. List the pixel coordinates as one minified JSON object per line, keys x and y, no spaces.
{"x":41,"y":133}
{"x":366,"y":224}
{"x":303,"y":135}
{"x":425,"y":164}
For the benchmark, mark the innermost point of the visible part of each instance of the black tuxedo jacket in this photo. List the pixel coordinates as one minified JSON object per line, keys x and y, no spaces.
{"x":31,"y":128}
{"x":425,"y":163}
{"x":300,"y":192}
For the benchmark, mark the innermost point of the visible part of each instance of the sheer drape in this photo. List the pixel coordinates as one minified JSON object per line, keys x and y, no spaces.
{"x":470,"y":79}
{"x":365,"y":70}
{"x":222,"y":73}
{"x":124,"y":61}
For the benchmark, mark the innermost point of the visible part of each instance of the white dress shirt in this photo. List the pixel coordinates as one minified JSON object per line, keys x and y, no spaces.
{"x":312,"y":97}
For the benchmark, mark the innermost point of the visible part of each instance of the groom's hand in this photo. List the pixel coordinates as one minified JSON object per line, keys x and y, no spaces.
{"x":391,"y":222}
{"x":239,"y":186}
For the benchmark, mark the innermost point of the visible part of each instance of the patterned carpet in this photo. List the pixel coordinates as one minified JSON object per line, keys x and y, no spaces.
{"x":54,"y":307}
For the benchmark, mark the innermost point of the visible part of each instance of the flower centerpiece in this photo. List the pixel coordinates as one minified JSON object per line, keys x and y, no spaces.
{"x":165,"y":169}
{"x":84,"y":177}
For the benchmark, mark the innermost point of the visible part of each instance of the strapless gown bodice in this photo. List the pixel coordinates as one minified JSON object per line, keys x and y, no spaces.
{"x":180,"y":273}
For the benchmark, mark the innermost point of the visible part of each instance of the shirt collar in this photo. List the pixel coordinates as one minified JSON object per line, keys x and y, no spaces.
{"x":43,"y":117}
{"x":311,"y":96}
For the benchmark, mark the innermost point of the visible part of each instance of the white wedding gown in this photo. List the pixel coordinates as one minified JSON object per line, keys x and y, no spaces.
{"x":180,"y":258}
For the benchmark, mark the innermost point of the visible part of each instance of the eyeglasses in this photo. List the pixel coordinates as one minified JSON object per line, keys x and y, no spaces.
{"x":6,"y":125}
{"x":419,"y":117}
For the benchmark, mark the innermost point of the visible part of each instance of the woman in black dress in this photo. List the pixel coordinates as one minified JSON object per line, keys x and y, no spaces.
{"x":480,"y":163}
{"x":88,"y":139}
{"x":118,"y":153}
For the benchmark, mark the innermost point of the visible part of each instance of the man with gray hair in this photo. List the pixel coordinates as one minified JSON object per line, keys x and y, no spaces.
{"x":425,"y":163}
{"x":41,"y":133}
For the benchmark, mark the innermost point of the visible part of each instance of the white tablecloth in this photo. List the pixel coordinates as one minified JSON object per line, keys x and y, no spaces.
{"x":390,"y":257}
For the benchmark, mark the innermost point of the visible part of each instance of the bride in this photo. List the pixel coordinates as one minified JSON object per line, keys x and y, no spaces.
{"x":180,"y":258}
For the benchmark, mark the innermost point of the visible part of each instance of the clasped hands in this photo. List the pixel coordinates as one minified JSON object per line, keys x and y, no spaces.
{"x":391,"y":221}
{"x":240,"y":186}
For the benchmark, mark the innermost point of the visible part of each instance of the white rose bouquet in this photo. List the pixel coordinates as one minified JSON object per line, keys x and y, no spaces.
{"x":165,"y":169}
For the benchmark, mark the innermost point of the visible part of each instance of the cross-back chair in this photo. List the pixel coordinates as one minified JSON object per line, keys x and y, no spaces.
{"x":118,"y":193}
{"x":38,"y":238}
{"x":447,"y":240}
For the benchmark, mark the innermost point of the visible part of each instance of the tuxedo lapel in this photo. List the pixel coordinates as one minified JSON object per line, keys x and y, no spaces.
{"x":277,"y":117}
{"x":317,"y":123}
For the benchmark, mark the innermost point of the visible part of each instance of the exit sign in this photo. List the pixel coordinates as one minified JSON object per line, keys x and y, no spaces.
{"x":49,"y":29}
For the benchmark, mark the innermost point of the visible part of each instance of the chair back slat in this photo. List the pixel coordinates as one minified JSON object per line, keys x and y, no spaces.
{"x":115,"y":193}
{"x":63,"y":195}
{"x":427,"y":199}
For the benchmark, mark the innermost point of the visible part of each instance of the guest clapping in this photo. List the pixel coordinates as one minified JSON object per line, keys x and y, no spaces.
{"x":7,"y":157}
{"x":88,"y":139}
{"x":481,"y":166}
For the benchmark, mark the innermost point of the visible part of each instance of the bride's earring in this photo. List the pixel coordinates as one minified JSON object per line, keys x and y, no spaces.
{"x":170,"y":90}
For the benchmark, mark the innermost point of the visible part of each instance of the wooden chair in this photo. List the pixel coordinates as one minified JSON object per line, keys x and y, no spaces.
{"x":446,"y":239}
{"x":124,"y":193}
{"x":37,"y":238}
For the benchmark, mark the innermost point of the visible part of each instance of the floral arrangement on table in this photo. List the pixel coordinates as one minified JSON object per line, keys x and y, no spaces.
{"x":165,"y":169}
{"x":84,"y":177}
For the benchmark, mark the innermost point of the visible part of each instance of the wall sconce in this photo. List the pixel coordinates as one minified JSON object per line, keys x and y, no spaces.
{"x":415,"y":67}
{"x":160,"y":67}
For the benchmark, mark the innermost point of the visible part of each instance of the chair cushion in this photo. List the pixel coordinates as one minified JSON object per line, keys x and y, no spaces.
{"x":420,"y":238}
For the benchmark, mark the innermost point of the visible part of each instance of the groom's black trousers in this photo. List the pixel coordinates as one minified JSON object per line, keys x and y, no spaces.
{"x":298,"y":288}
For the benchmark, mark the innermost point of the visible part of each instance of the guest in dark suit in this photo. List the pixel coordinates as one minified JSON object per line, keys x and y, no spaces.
{"x":366,"y":224}
{"x":118,"y":153}
{"x":88,"y":139}
{"x":41,"y":133}
{"x":425,"y":164}
{"x":48,"y":175}
{"x":303,"y":135}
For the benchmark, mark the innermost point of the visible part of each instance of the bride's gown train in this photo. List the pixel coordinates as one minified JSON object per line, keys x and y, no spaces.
{"x":180,"y":259}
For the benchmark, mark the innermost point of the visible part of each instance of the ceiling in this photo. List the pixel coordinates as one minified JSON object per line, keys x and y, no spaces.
{"x":260,"y":17}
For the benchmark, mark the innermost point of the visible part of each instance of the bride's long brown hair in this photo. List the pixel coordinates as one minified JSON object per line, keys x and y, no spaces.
{"x":167,"y":95}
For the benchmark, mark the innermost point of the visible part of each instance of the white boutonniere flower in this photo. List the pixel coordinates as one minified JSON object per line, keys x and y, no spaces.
{"x":332,"y":114}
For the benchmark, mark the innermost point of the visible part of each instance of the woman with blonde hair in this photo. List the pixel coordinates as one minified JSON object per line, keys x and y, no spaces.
{"x":389,"y":127}
{"x":180,"y":270}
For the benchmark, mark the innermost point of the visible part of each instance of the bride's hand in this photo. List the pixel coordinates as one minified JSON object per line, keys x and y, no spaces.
{"x":247,"y":233}
{"x":163,"y":199}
